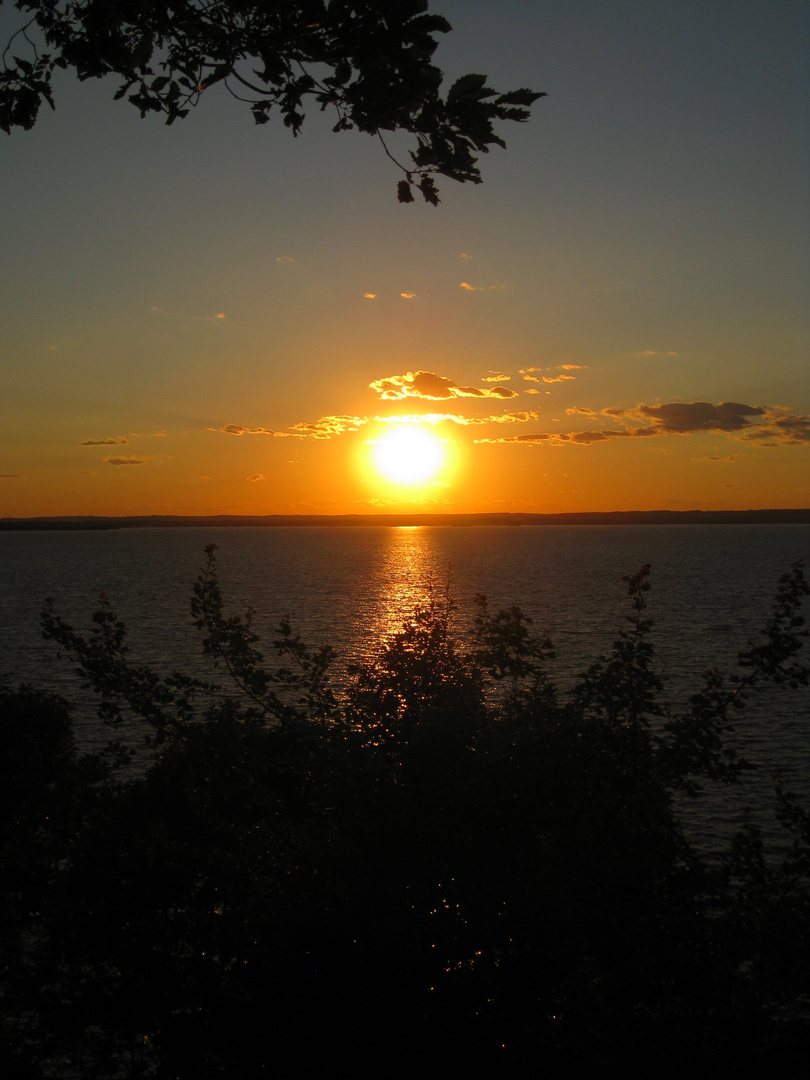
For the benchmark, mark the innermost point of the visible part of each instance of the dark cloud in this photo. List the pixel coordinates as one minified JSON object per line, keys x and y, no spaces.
{"x":763,"y":425}
{"x":679,"y":417}
{"x":578,"y":438}
{"x":513,"y":417}
{"x":528,"y":375}
{"x":329,"y":426}
{"x":237,"y":429}
{"x":537,"y":437}
{"x":105,"y":442}
{"x":716,"y":457}
{"x":760,"y":424}
{"x":421,"y":384}
{"x":433,"y":387}
{"x":586,"y":438}
{"x":129,"y":459}
{"x":554,"y":367}
{"x":791,"y":429}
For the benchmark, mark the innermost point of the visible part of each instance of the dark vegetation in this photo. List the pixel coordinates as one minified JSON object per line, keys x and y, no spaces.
{"x":368,"y":64}
{"x":445,"y":863}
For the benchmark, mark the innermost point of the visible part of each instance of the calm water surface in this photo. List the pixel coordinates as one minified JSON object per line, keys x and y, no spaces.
{"x":713,"y":586}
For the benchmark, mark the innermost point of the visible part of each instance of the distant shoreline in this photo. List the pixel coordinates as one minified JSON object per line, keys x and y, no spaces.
{"x":617,"y":517}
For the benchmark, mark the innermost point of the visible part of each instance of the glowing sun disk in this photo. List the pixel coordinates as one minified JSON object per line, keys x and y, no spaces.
{"x":408,"y":455}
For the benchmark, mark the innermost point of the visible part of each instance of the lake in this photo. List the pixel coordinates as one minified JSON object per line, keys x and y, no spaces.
{"x":352,"y":587}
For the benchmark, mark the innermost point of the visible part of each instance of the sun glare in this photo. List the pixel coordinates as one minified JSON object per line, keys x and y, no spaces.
{"x":408,"y":455}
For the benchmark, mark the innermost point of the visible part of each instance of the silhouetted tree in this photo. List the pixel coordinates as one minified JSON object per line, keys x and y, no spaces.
{"x":445,"y":862}
{"x":368,"y":63}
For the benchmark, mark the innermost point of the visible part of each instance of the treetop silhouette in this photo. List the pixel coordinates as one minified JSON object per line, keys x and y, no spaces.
{"x":368,"y":63}
{"x":484,"y":866}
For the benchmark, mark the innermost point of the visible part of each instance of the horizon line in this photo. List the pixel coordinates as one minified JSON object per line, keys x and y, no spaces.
{"x":795,"y":515}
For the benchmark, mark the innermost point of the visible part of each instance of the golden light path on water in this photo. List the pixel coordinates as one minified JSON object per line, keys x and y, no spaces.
{"x":408,"y":577}
{"x":355,"y":588}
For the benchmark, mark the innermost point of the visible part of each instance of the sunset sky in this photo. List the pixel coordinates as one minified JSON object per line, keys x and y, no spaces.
{"x":218,"y":318}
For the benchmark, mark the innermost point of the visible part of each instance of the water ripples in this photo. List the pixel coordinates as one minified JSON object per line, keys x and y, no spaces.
{"x":353,"y":588}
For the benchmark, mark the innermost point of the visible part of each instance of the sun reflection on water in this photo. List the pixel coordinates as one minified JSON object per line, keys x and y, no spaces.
{"x":404,"y":583}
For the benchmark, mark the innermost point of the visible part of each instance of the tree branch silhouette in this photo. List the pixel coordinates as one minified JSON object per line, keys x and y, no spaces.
{"x":378,"y":55}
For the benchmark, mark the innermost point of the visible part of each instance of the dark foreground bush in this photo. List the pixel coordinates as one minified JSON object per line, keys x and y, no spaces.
{"x":444,"y":864}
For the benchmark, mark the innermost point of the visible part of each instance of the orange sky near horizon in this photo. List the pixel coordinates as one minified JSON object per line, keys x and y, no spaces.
{"x":217,"y":319}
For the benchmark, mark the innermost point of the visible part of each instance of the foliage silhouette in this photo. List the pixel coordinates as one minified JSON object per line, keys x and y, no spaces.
{"x":444,"y":862}
{"x":368,"y":63}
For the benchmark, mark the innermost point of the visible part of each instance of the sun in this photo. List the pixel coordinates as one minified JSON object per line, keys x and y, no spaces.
{"x":408,"y":455}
